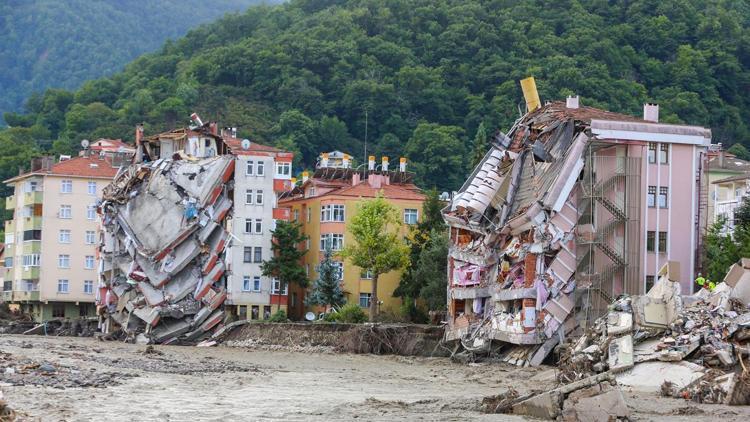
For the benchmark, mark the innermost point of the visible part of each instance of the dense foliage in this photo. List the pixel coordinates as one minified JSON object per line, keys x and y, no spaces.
{"x":350,"y":313}
{"x":418,"y":77}
{"x":63,"y":43}
{"x":326,"y":289}
{"x":722,"y":247}
{"x":285,"y":264}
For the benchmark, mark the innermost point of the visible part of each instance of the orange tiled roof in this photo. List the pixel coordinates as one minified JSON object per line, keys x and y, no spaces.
{"x":91,"y":166}
{"x":364,"y":190}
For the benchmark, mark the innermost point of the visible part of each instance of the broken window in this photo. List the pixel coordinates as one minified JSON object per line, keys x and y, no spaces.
{"x":66,"y":186}
{"x":411,"y":215}
{"x":651,"y":198}
{"x":243,"y":311}
{"x":663,"y":153}
{"x":364,"y":299}
{"x":663,"y":242}
{"x":650,"y":241}
{"x":649,"y":282}
{"x":63,"y":261}
{"x":651,"y":153}
{"x":88,"y":287}
{"x":65,"y":211}
{"x":258,"y":255}
{"x":254,"y":312}
{"x":58,"y":309}
{"x":62,"y":286}
{"x":64,"y":236}
{"x":663,"y":191}
{"x":89,"y":262}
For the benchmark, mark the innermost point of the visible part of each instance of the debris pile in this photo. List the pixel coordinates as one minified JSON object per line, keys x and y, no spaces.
{"x":162,"y":252}
{"x":692,"y":347}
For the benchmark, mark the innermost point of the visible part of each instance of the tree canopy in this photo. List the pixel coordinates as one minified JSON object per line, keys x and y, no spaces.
{"x":285,"y":264}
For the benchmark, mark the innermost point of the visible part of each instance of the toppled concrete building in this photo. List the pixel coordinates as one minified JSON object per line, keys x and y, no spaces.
{"x":162,"y":252}
{"x":552,"y":224}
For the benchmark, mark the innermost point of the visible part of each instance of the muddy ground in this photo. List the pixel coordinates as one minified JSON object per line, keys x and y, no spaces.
{"x":83,"y":379}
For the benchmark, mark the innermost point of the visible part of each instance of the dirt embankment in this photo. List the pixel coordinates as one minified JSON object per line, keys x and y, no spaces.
{"x":380,"y":339}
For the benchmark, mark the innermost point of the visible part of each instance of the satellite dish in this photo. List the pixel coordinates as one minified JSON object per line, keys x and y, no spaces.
{"x":245,"y":144}
{"x":310,"y":316}
{"x":85,"y":143}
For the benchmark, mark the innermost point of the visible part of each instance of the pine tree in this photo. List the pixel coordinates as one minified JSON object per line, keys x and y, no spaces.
{"x":326,"y":289}
{"x":480,"y":145}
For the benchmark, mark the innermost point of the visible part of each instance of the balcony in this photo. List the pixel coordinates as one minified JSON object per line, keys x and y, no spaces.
{"x":7,"y":296}
{"x":32,"y":223}
{"x":10,"y":249}
{"x":10,"y":202}
{"x":30,"y":273}
{"x":25,"y":296}
{"x":31,"y":198}
{"x":10,"y":226}
{"x":32,"y":246}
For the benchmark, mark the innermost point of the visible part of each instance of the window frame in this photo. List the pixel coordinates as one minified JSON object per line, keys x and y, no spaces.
{"x":88,"y":283}
{"x":93,"y":237}
{"x":663,"y":240}
{"x":650,"y":241}
{"x":259,"y":197}
{"x":87,"y":259}
{"x":91,"y":212}
{"x":63,"y":282}
{"x":260,"y":168}
{"x":250,"y":168}
{"x":89,"y":185}
{"x":246,"y":283}
{"x":247,"y":254}
{"x":283,"y":169}
{"x":651,"y":153}
{"x":258,"y":226}
{"x":367,"y":297}
{"x":249,"y":225}
{"x":249,"y":196}
{"x":663,"y":193}
{"x":411,"y":211}
{"x":66,"y":186}
{"x":63,"y":259}
{"x":257,"y":254}
{"x":65,"y":215}
{"x":61,"y":238}
{"x":651,"y":197}
{"x":663,"y":153}
{"x":256,"y":279}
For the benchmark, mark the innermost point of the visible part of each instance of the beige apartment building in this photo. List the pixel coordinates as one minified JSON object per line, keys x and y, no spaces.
{"x":51,"y":257}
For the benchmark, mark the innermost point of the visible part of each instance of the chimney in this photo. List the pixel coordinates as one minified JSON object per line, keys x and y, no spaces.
{"x":385,"y":163}
{"x":213,"y":128}
{"x":324,"y":160}
{"x":651,"y":112}
{"x":571,"y":102}
{"x":375,"y":181}
{"x":402,"y":164}
{"x":355,"y":179}
{"x":234,"y":132}
{"x":197,"y":119}
{"x":722,"y":158}
{"x":138,"y":134}
{"x":346,"y":161}
{"x":371,"y":163}
{"x":305,"y":176}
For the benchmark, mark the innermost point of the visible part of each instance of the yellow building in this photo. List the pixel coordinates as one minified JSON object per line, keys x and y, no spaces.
{"x":325,"y":204}
{"x":50,"y":257}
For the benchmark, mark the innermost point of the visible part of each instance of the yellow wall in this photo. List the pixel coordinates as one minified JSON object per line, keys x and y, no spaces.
{"x":352,"y":284}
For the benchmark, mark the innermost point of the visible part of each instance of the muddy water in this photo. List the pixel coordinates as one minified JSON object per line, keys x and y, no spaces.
{"x":175,"y":383}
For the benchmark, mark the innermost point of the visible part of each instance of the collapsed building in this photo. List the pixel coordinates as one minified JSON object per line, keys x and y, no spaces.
{"x":573,"y":207}
{"x":162,"y":248}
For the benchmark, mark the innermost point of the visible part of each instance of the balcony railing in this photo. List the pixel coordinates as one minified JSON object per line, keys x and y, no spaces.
{"x":10,"y":202}
{"x":25,"y":295}
{"x":30,"y":273}
{"x":31,"y":198}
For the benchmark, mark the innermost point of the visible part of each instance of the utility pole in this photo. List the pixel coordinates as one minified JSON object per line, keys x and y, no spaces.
{"x":365,"y":160}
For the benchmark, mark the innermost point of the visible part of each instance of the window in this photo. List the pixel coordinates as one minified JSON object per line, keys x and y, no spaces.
{"x":66,"y":186}
{"x":266,"y":311}
{"x":283,"y":169}
{"x":246,"y":283}
{"x":651,"y":198}
{"x":91,"y":212}
{"x":256,"y":283}
{"x":339,"y":269}
{"x":248,"y":225}
{"x":250,"y":169}
{"x":364,"y":299}
{"x":307,"y":269}
{"x":31,"y":186}
{"x":366,"y":275}
{"x":254,"y":312}
{"x":63,"y":261}
{"x":32,"y":235}
{"x":663,"y":153}
{"x":258,"y":226}
{"x":307,"y":244}
{"x":277,"y":288}
{"x":10,"y":238}
{"x":91,"y":188}
{"x":652,"y":153}
{"x":334,"y":240}
{"x":261,"y":169}
{"x":309,"y":213}
{"x":32,"y":260}
{"x":663,"y":242}
{"x":58,"y":309}
{"x":649,"y":282}
{"x":65,"y":211}
{"x":259,"y":197}
{"x":62,"y":286}
{"x":247,"y":255}
{"x":650,"y":241}
{"x":88,"y":287}
{"x":249,"y":197}
{"x":410,"y":216}
{"x":258,"y":255}
{"x":296,"y":215}
{"x":89,"y":262}
{"x":8,"y":262}
{"x":64,"y":236}
{"x":90,"y":237}
{"x":663,"y":191}
{"x":331,"y":213}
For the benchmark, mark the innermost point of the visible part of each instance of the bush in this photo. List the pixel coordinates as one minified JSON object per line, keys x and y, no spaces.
{"x":278,"y":316}
{"x":413,"y":313}
{"x":350,"y":313}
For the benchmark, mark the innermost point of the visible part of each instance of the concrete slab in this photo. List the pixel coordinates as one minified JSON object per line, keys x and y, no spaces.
{"x":649,"y":376}
{"x":182,"y":284}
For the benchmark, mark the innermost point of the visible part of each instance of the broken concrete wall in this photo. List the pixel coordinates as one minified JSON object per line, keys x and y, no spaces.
{"x":162,"y":271}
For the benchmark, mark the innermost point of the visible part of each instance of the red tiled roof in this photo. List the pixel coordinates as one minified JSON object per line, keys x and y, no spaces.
{"x":235,"y":144}
{"x":91,"y":166}
{"x":112,"y":145}
{"x":363,"y":189}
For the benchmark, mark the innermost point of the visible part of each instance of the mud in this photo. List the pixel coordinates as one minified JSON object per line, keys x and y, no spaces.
{"x":177,"y":383}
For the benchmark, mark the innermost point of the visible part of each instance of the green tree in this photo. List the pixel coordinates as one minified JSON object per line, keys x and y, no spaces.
{"x":480,"y":146}
{"x":740,"y":151}
{"x":286,"y":263}
{"x":377,"y":248}
{"x":326,"y":289}
{"x":430,"y":272}
{"x":437,"y":155}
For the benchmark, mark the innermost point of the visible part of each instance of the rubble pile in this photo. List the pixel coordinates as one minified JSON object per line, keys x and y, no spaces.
{"x":16,"y":371}
{"x":162,"y":251}
{"x":692,"y":347}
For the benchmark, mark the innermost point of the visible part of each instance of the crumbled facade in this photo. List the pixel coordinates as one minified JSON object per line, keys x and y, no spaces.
{"x":552,"y":224}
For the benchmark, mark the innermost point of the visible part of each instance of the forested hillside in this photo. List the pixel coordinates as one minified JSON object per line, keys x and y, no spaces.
{"x":424,"y":74}
{"x":62,"y":43}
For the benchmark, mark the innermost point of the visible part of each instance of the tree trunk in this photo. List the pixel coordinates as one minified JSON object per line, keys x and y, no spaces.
{"x":374,"y":298}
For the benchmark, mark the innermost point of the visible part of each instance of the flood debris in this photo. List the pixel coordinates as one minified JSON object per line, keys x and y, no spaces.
{"x":164,"y":241}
